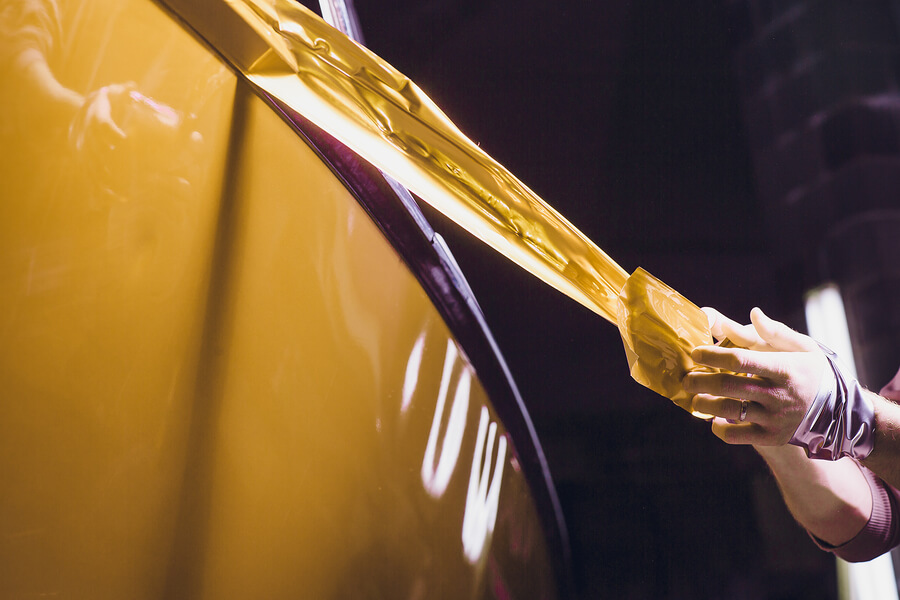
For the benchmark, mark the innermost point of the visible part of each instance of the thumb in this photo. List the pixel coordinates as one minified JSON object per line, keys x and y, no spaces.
{"x":722,"y":328}
{"x":778,"y":335}
{"x":715,"y":319}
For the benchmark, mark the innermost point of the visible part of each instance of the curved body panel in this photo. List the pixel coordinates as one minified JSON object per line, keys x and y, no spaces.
{"x":220,"y":378}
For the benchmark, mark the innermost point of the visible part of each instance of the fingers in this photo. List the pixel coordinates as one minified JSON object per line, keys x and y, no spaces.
{"x":723,"y":328}
{"x":726,"y":408}
{"x":740,"y":360}
{"x":731,"y":386}
{"x":98,"y":112}
{"x":727,"y":426}
{"x":715,"y":322}
{"x":763,"y":333}
{"x":742,"y":433}
{"x":780,"y":336}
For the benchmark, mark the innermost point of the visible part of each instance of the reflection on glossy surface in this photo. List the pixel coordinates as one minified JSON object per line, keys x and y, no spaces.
{"x":103,"y":277}
{"x":121,"y":137}
{"x":219,"y":380}
{"x":483,"y":496}
{"x":436,"y":478}
{"x":368,"y":105}
{"x":386,"y":118}
{"x":660,"y":328}
{"x":412,"y":373}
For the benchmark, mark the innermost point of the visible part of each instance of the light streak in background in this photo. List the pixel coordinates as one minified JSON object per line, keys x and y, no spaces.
{"x":342,"y":17}
{"x":483,"y":498}
{"x":826,"y":322}
{"x":436,"y":478}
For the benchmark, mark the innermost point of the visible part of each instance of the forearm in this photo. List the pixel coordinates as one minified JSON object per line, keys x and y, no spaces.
{"x":884,"y":460}
{"x":832,"y":500}
{"x":49,"y":99}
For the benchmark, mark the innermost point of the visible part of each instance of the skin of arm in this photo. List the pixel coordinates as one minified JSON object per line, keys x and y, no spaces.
{"x":831,"y":500}
{"x":884,"y":460}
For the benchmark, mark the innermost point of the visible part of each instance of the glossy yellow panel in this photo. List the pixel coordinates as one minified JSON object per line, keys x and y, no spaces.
{"x":219,"y":380}
{"x":114,"y":133}
{"x":348,"y":424}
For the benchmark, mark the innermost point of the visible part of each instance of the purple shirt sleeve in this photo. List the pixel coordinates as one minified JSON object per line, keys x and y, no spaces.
{"x":882,"y":532}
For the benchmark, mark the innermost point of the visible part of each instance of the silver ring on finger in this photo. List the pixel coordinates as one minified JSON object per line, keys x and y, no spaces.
{"x":745,"y":404}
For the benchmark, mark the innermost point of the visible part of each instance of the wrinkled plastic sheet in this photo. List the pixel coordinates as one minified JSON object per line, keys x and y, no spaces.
{"x":296,"y":58}
{"x":660,"y":328}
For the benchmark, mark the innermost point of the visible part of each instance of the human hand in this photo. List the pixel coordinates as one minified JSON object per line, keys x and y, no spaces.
{"x":126,"y":141}
{"x":94,"y":127}
{"x":766,"y":385}
{"x":784,"y":339}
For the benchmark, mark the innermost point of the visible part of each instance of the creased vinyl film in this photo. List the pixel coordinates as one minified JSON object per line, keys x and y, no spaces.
{"x":296,"y":58}
{"x":660,"y":328}
{"x":387,"y":119}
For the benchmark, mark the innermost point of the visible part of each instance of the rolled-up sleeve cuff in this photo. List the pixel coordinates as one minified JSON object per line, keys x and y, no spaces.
{"x":880,"y":532}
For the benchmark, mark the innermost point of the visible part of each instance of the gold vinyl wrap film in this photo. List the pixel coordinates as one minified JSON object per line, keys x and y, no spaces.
{"x":378,"y":112}
{"x":660,"y":328}
{"x":387,"y":119}
{"x":219,"y":380}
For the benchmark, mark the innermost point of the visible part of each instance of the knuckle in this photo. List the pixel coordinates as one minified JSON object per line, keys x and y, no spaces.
{"x":736,"y":362}
{"x":689,"y":382}
{"x":729,"y":385}
{"x":718,"y":384}
{"x":762,"y":416}
{"x":698,"y":383}
{"x":736,"y":386}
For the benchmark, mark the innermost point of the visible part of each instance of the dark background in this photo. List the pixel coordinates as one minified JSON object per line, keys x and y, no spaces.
{"x":630,"y":118}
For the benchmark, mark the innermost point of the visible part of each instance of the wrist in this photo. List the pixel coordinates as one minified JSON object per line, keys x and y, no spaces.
{"x":887,"y":425}
{"x":841,"y":418}
{"x":781,"y":455}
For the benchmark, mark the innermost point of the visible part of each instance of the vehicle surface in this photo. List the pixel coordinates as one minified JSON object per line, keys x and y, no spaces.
{"x":235,"y":362}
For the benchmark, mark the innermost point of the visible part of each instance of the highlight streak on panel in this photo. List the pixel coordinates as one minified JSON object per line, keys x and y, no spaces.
{"x":383,"y":116}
